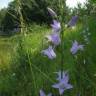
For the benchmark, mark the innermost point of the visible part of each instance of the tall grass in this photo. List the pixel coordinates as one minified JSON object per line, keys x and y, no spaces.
{"x":30,"y":71}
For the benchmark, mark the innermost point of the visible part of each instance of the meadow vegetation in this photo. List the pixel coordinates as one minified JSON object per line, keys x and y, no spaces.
{"x":24,"y":70}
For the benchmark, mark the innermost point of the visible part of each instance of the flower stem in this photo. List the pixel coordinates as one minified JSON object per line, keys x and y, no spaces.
{"x":62,"y":51}
{"x":61,"y":5}
{"x":32,"y":73}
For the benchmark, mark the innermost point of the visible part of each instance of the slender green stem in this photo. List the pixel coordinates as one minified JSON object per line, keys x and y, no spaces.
{"x":79,"y":66}
{"x":32,"y":65}
{"x":32,"y":72}
{"x":61,"y":6}
{"x":62,"y":52}
{"x":43,"y":73}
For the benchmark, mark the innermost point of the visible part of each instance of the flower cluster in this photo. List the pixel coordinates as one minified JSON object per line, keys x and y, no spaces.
{"x":54,"y":37}
{"x":55,"y":40}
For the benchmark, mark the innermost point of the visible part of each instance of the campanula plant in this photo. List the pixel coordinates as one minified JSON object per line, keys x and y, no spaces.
{"x":56,"y":38}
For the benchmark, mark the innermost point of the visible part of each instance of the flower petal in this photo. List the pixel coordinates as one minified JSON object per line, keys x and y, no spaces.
{"x":73,"y":21}
{"x":55,"y":86}
{"x":61,"y":91}
{"x":42,"y":93}
{"x":52,"y":13}
{"x":69,"y":86}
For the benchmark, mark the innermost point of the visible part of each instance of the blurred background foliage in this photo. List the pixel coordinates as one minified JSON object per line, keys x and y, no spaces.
{"x":36,"y":11}
{"x":18,"y":56}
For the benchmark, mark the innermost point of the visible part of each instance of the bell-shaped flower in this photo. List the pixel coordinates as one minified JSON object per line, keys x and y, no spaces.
{"x":73,"y":21}
{"x":43,"y":94}
{"x":49,"y":52}
{"x":63,"y":85}
{"x":56,"y":26}
{"x":51,"y":12}
{"x":54,"y":38}
{"x":75,"y":47}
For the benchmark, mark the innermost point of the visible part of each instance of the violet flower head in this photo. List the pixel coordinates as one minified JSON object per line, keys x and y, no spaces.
{"x":51,"y":12}
{"x":43,"y":94}
{"x":54,"y":38}
{"x":73,"y":21}
{"x":63,"y":85}
{"x":56,"y":26}
{"x":49,"y":52}
{"x":76,"y":47}
{"x":64,"y":74}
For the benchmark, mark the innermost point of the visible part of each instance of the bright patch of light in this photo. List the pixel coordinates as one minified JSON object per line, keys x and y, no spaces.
{"x":74,"y":3}
{"x":4,"y":3}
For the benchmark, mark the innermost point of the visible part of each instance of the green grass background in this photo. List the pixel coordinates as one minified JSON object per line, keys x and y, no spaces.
{"x":24,"y":70}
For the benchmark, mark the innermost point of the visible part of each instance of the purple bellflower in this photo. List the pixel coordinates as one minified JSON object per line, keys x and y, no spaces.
{"x":51,"y":12}
{"x":43,"y":94}
{"x":49,"y":52}
{"x":54,"y":38}
{"x":73,"y":21}
{"x":76,"y":47}
{"x":56,"y":26}
{"x":63,"y":85}
{"x":64,"y":74}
